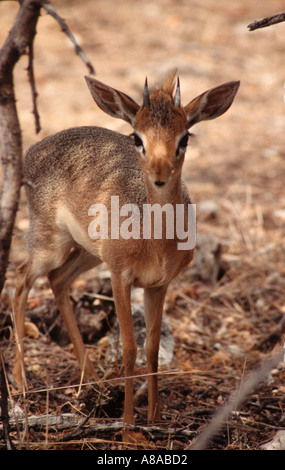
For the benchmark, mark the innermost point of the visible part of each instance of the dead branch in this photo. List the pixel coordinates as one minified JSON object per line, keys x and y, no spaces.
{"x":78,"y":430}
{"x":18,"y":40}
{"x":60,"y":423}
{"x":236,"y":400}
{"x":67,"y":421}
{"x":69,"y":34}
{"x":4,"y":406}
{"x":266,"y":22}
{"x":33,"y":86}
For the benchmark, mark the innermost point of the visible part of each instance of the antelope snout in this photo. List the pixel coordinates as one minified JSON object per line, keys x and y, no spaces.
{"x":160,"y":173}
{"x":159,"y":183}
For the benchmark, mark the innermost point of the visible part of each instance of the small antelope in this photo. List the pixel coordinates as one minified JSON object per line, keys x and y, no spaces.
{"x":70,"y":171}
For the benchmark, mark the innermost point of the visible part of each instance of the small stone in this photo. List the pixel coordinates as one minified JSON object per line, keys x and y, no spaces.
{"x":277,"y":443}
{"x":207,"y":258}
{"x":260,"y":304}
{"x":208,"y":208}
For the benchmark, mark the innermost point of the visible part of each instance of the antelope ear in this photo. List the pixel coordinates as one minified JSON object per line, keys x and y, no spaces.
{"x":113,"y":102}
{"x":211,"y":103}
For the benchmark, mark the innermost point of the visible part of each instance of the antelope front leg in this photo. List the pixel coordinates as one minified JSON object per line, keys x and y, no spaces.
{"x":122,"y":294}
{"x":153,"y":306}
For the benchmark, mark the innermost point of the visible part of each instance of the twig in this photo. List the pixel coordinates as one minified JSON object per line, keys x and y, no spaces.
{"x":33,"y":85}
{"x":64,"y":421}
{"x":47,"y":409}
{"x":235,"y":401}
{"x":4,"y":406}
{"x":267,"y":22}
{"x":49,"y":9}
{"x":78,"y":430}
{"x":99,"y":296}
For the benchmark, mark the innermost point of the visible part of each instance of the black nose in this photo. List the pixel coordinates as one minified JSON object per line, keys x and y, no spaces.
{"x":159,"y":183}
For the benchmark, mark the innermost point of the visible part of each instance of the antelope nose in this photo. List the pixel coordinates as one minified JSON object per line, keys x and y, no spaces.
{"x":159,"y":183}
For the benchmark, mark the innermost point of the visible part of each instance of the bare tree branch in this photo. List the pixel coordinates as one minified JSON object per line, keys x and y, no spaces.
{"x":266,"y":22}
{"x":33,"y":86}
{"x":16,"y":44}
{"x":50,"y":10}
{"x":236,"y":400}
{"x":4,"y":406}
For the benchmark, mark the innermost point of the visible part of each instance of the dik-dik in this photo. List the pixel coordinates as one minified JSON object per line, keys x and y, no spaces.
{"x":69,"y":172}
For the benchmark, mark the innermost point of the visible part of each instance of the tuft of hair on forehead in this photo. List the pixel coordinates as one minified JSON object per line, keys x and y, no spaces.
{"x":161,"y":111}
{"x":167,"y":84}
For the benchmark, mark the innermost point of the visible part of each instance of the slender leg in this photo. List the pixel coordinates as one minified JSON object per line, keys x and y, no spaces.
{"x":45,"y":254}
{"x":122,"y":293}
{"x":153,"y":305}
{"x":60,"y":279}
{"x":25,"y":279}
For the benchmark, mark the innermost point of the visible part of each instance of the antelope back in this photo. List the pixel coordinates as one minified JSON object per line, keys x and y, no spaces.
{"x":80,"y":163}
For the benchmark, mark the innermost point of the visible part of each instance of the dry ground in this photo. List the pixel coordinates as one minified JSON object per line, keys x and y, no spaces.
{"x":222,"y":330}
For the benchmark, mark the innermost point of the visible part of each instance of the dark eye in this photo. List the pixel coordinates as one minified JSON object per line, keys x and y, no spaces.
{"x":182,"y":144}
{"x":139,"y":143}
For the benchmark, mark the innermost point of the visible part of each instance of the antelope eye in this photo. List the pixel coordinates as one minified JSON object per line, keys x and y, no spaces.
{"x":139,"y":143}
{"x":182,"y":144}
